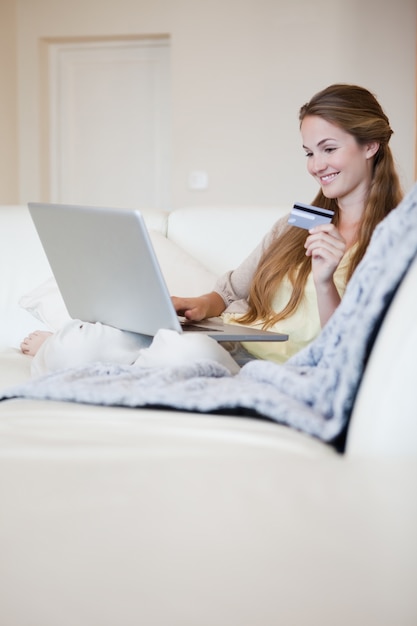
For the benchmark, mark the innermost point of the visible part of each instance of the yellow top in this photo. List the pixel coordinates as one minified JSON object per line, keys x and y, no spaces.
{"x":302,"y":326}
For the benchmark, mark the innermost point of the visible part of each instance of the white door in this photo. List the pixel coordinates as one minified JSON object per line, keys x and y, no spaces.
{"x":109,"y":123}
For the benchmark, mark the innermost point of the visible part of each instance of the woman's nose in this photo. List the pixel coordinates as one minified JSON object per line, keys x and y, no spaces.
{"x":318,"y":163}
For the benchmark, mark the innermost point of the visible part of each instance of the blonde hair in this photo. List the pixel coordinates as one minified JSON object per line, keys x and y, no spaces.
{"x":356,"y":111}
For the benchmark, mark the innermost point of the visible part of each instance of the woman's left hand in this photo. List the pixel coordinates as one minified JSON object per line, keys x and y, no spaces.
{"x":326,"y":246}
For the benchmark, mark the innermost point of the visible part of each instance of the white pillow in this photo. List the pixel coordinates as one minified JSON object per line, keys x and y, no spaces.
{"x":46,"y":304}
{"x":183,"y":274}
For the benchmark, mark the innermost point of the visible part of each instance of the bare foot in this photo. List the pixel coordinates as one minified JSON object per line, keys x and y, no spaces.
{"x":31,"y":344}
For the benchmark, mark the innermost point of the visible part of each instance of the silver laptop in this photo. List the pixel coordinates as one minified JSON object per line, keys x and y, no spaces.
{"x":107,"y":271}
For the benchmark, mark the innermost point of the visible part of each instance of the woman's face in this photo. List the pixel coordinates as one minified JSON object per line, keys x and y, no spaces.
{"x":341,"y":166}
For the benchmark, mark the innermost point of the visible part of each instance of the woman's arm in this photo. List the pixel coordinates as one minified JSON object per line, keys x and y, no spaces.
{"x":231,"y":287}
{"x":207,"y":305}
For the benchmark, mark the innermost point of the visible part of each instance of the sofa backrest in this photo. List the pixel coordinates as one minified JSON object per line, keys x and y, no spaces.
{"x":23,"y":266}
{"x":221,"y":237}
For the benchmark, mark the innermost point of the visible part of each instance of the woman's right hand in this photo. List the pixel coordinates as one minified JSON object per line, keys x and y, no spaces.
{"x":197,"y":309}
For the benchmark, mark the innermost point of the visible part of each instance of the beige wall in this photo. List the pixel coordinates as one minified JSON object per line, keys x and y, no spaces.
{"x":8,"y":103}
{"x":240,"y":71}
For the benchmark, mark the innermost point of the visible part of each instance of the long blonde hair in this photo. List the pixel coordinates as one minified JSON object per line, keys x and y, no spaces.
{"x":356,"y":111}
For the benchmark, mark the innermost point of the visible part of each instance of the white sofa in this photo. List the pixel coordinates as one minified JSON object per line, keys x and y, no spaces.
{"x":117,"y":516}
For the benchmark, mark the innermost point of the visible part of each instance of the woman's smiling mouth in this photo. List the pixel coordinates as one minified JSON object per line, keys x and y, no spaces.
{"x":328,"y":178}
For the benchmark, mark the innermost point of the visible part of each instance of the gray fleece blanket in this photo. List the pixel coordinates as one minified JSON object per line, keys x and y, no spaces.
{"x":313,"y":392}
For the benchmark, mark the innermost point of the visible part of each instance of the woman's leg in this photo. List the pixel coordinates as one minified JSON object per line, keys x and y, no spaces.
{"x":79,"y":343}
{"x":172,"y":349}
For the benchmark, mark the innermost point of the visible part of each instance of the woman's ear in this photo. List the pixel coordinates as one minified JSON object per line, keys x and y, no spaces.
{"x":372,"y":149}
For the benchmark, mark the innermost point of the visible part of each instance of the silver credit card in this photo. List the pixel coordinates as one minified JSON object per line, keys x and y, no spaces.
{"x":307,"y":216}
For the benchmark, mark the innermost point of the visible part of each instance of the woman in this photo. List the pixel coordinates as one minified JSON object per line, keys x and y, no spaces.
{"x":293,"y":281}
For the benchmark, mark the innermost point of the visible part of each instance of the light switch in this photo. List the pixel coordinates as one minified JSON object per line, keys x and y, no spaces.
{"x":198,"y":180}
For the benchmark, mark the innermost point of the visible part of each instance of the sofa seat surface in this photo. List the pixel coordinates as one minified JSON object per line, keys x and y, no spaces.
{"x":238,"y":521}
{"x":52,"y":416}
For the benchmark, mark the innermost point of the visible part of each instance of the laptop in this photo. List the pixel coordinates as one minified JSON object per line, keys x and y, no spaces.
{"x":107,"y":271}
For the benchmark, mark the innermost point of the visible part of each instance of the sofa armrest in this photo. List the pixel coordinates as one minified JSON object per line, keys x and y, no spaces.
{"x":384,"y":419}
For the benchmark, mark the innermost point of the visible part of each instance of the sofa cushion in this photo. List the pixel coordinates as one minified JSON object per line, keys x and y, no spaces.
{"x":184,"y":275}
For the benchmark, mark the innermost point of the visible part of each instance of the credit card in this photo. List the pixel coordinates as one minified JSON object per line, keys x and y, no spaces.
{"x":307,"y":216}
